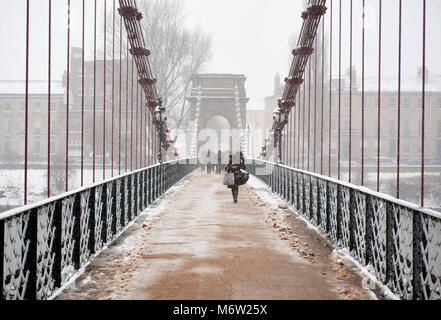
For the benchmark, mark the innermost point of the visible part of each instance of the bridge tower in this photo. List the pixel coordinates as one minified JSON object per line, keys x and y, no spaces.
{"x":218,"y":102}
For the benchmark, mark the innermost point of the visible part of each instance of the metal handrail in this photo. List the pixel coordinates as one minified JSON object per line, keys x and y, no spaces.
{"x":397,"y":242}
{"x":45,"y":245}
{"x":363,"y":189}
{"x":17,"y":210}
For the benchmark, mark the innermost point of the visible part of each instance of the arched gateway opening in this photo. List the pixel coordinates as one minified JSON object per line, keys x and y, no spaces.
{"x":218,"y":105}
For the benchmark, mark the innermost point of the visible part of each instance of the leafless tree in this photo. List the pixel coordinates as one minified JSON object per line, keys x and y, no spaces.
{"x":176,"y":53}
{"x":58,"y":175}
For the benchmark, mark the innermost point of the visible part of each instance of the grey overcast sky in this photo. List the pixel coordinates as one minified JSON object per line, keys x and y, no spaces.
{"x":250,"y":37}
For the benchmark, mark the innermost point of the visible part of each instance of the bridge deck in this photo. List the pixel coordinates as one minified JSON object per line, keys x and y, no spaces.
{"x":197,"y":244}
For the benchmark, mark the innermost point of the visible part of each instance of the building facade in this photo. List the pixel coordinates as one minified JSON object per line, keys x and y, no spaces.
{"x":102,"y":93}
{"x":350,"y":121}
{"x":12,"y":121}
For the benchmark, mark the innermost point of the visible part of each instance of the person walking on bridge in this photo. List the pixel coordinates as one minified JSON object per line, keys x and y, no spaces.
{"x":235,"y":165}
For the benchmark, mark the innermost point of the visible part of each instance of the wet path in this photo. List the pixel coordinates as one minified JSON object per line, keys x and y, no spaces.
{"x":203,"y":246}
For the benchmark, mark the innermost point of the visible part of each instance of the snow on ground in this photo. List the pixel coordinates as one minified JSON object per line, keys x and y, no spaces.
{"x":12,"y":184}
{"x":150,"y":215}
{"x":278,"y":220}
{"x":368,"y":273}
{"x":274,"y":200}
{"x":132,"y":243}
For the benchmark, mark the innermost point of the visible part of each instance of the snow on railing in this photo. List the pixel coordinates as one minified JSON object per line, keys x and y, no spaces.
{"x":397,"y":241}
{"x":44,"y":245}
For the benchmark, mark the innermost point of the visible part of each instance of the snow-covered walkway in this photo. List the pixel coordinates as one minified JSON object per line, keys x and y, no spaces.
{"x":197,"y":244}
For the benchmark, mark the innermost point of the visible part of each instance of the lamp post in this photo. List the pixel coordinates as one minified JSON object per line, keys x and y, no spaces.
{"x":263,"y":152}
{"x":278,"y":113}
{"x":158,"y":113}
{"x":248,"y":141}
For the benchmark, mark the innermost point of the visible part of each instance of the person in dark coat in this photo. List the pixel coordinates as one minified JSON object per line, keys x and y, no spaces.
{"x":209,"y":163}
{"x":235,"y":168}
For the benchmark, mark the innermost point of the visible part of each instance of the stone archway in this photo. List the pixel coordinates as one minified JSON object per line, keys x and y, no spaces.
{"x":219,"y":123}
{"x":216,"y":95}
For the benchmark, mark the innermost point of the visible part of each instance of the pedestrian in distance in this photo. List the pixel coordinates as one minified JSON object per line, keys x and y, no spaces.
{"x":236,"y":165}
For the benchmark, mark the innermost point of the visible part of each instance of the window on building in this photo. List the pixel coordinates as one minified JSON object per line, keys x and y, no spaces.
{"x":7,"y":146}
{"x":75,"y":126}
{"x":20,"y":148}
{"x":22,"y":106}
{"x":7,"y":107}
{"x":392,"y":103}
{"x":439,"y":103}
{"x":372,"y":128}
{"x":406,"y":103}
{"x":420,"y":103}
{"x":438,"y":128}
{"x":392,"y":148}
{"x":37,"y":106}
{"x":8,"y":127}
{"x":75,"y":148}
{"x":53,"y":128}
{"x":345,"y":150}
{"x":406,"y":129}
{"x":438,"y":149}
{"x":406,"y":149}
{"x":75,"y":145}
{"x":392,"y":129}
{"x":53,"y":147}
{"x":37,"y":127}
{"x":37,"y":147}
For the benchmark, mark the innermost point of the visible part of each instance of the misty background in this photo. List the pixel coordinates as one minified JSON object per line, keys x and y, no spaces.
{"x":249,"y":37}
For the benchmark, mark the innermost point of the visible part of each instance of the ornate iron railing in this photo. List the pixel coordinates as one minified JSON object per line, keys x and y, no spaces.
{"x":398,"y":242}
{"x":43,"y":245}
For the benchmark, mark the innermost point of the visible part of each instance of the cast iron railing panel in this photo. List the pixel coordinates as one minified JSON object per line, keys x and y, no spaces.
{"x":45,"y":244}
{"x":398,"y":242}
{"x":431,"y":251}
